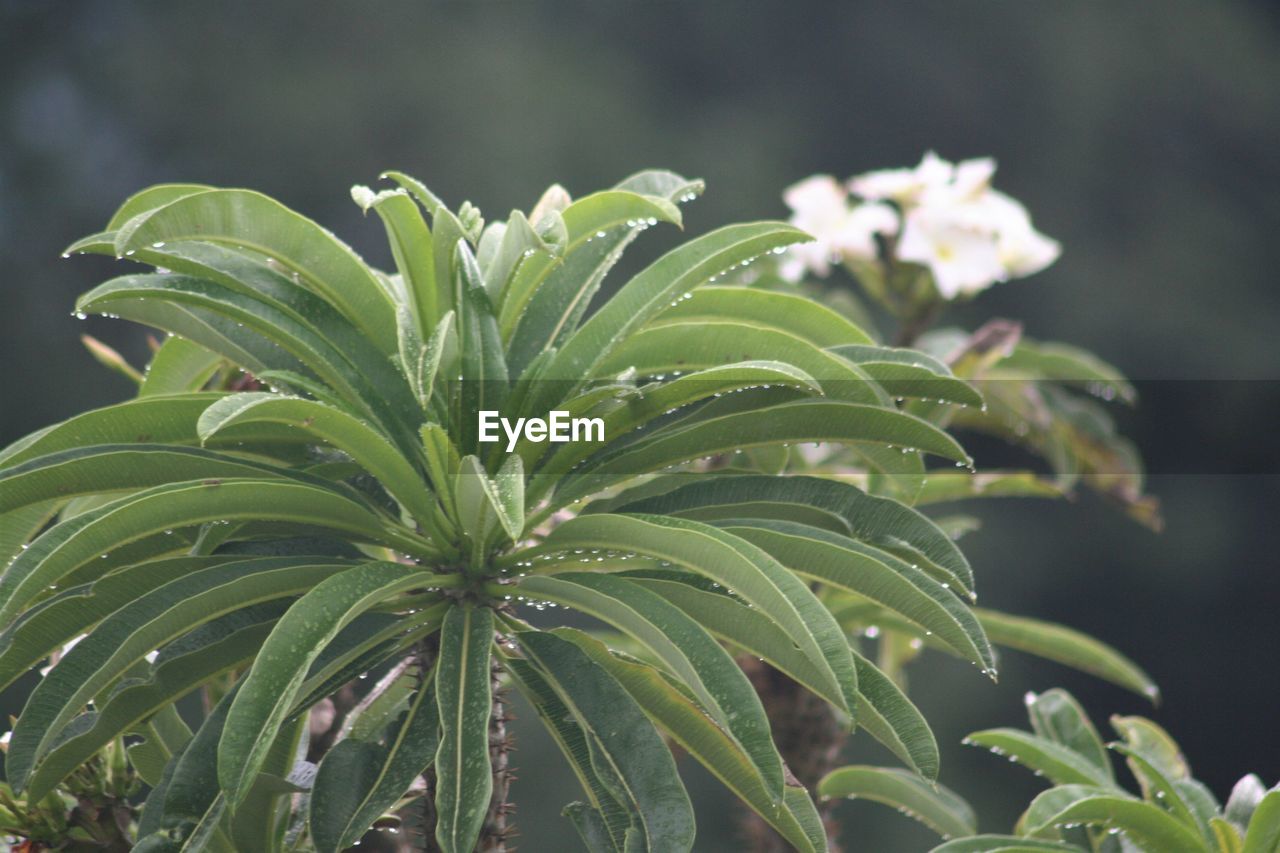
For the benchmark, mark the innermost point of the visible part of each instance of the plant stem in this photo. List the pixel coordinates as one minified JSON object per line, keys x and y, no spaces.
{"x":497,"y":827}
{"x":809,"y":736}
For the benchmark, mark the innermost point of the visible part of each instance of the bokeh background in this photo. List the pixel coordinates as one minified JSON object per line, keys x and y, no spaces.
{"x":1144,"y":136}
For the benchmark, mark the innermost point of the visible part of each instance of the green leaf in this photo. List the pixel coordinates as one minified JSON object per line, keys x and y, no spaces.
{"x":891,"y":718}
{"x":147,"y":420}
{"x":358,"y":780}
{"x":411,"y":246}
{"x":793,"y":313}
{"x":548,"y":296}
{"x":936,"y":807}
{"x":106,"y":468}
{"x":68,"y":552}
{"x":603,"y":821}
{"x":1147,"y":825}
{"x":908,"y":373}
{"x":1063,"y":363}
{"x":1159,"y":788}
{"x":150,"y":199}
{"x":1034,"y":821}
{"x":370,"y":641}
{"x":429,"y":200}
{"x":290,"y":344}
{"x":1059,"y":764}
{"x":1244,"y":799}
{"x":464,"y":778}
{"x":673,"y":346}
{"x":591,"y":826}
{"x":1154,"y":743}
{"x":664,"y":184}
{"x":362,"y":442}
{"x":330,"y":343}
{"x":19,"y":525}
{"x":443,"y":463}
{"x":828,"y":504}
{"x":248,"y":219}
{"x":508,"y":486}
{"x":645,"y":295}
{"x":845,"y":563}
{"x":1066,"y":646}
{"x":683,"y":645}
{"x":145,"y":624}
{"x":1003,"y":844}
{"x":446,"y":233}
{"x":944,"y":486}
{"x":1226,"y":837}
{"x":623,"y":743}
{"x":425,"y":370}
{"x":484,"y":366}
{"x":805,"y":813}
{"x":268,"y":690}
{"x":483,"y":507}
{"x":1056,"y":715}
{"x":624,"y":408}
{"x":516,"y":243}
{"x":1263,"y":835}
{"x":179,"y":365}
{"x":188,"y":803}
{"x":237,"y":639}
{"x":262,"y":821}
{"x":737,"y":564}
{"x":747,"y":627}
{"x":696,"y":733}
{"x":164,"y":736}
{"x":385,"y":702}
{"x":788,"y":423}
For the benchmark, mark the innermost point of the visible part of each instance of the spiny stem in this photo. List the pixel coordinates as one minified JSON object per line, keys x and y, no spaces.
{"x":497,"y":827}
{"x":809,"y":737}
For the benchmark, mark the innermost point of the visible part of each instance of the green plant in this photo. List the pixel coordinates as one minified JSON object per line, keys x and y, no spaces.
{"x":91,"y":810}
{"x":1087,"y":810}
{"x":911,"y":242}
{"x":342,"y":516}
{"x":299,"y":496}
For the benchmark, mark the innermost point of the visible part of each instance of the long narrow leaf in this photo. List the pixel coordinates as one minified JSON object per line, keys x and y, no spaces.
{"x":1066,"y":646}
{"x":728,"y":560}
{"x":141,"y":626}
{"x":623,"y":741}
{"x":68,"y":552}
{"x":358,"y":439}
{"x":250,"y":219}
{"x":883,"y":710}
{"x":936,"y":807}
{"x":267,"y":693}
{"x":680,"y":642}
{"x":464,"y":777}
{"x":696,"y":733}
{"x":358,"y":781}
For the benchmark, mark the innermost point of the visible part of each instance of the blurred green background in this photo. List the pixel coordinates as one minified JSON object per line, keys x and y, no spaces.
{"x":1143,"y":136}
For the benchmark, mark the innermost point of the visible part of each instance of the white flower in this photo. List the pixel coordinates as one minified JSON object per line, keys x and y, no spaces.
{"x":968,"y":235}
{"x":962,"y":254}
{"x":1023,"y":250}
{"x":820,"y":205}
{"x":905,"y":186}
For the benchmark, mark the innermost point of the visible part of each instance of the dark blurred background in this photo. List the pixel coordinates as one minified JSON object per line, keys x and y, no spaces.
{"x":1143,"y":136}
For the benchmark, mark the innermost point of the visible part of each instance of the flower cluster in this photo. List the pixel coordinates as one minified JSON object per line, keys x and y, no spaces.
{"x":941,"y":215}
